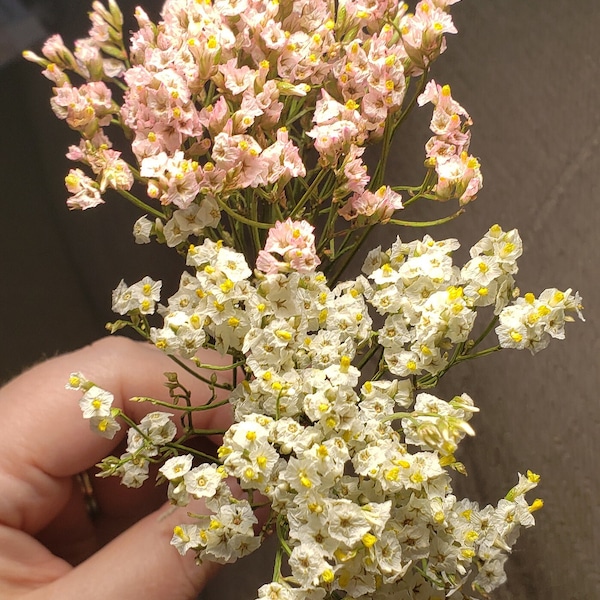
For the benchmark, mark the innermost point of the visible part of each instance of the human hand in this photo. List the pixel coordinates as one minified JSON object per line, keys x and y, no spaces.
{"x":45,"y":528}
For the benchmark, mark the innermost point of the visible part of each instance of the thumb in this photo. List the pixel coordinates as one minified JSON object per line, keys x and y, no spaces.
{"x":140,"y":563}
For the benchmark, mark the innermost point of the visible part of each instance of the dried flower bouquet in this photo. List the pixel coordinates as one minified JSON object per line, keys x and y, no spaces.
{"x":248,"y":121}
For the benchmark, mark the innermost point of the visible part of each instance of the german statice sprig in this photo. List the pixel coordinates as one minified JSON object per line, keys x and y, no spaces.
{"x":247,"y":123}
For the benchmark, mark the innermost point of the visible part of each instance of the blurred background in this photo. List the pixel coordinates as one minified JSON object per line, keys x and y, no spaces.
{"x":527,"y":73}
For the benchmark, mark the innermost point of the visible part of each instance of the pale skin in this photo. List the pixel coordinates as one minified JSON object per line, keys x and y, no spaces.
{"x":50,"y":547}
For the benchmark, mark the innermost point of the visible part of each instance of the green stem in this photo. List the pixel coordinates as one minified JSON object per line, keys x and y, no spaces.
{"x":277,"y":564}
{"x":237,"y":217}
{"x":421,"y":191}
{"x":351,"y":254}
{"x":132,"y":424}
{"x":255,"y":235}
{"x":297,"y":116}
{"x":327,"y":234}
{"x":427,"y":223}
{"x":406,"y":188}
{"x":208,"y":431}
{"x":176,"y":406}
{"x":233,"y":365}
{"x":281,"y":536}
{"x":479,"y":354}
{"x":223,"y":386}
{"x":388,"y":132}
{"x":367,"y":356}
{"x":193,"y":451}
{"x":413,"y":416}
{"x":210,"y":92}
{"x":391,"y":125}
{"x":485,"y":332}
{"x":140,"y":204}
{"x":309,"y":192}
{"x":420,"y":87}
{"x":432,"y":380}
{"x":119,"y":84}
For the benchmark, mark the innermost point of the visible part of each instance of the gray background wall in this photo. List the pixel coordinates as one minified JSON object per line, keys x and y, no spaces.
{"x":527,"y":73}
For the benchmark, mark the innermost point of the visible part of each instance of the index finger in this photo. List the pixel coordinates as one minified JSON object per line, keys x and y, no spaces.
{"x":42,"y":432}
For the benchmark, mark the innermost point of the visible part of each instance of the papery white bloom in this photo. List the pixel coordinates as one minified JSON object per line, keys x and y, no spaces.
{"x":481,"y":270}
{"x":165,"y":339}
{"x":141,"y":296}
{"x":343,"y":374}
{"x":106,"y":427}
{"x":77,"y":381}
{"x":203,"y":481}
{"x":277,"y":591}
{"x":441,"y":426}
{"x":187,"y":536}
{"x":387,"y":555}
{"x":264,"y":457}
{"x":138,"y":444}
{"x":96,"y":402}
{"x":229,"y":533}
{"x":158,"y":427}
{"x":373,"y":261}
{"x":301,"y":474}
{"x":506,"y":247}
{"x":491,"y":575}
{"x":330,"y":458}
{"x":142,"y":229}
{"x":176,"y":467}
{"x":122,"y":299}
{"x":292,"y":436}
{"x":199,"y":256}
{"x":308,"y":564}
{"x":509,"y":514}
{"x":346,"y":521}
{"x":134,"y":470}
{"x":247,"y":434}
{"x":368,"y":461}
{"x":232,"y":264}
{"x":525,"y":484}
{"x":398,"y":390}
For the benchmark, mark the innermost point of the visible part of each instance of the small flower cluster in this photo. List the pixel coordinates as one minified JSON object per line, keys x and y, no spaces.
{"x":459,"y":174}
{"x":294,"y":241}
{"x":140,"y":297}
{"x":225,"y":96}
{"x":225,"y":535}
{"x":359,"y":502}
{"x":96,"y":406}
{"x":531,"y":322}
{"x":248,"y":122}
{"x":430,"y":304}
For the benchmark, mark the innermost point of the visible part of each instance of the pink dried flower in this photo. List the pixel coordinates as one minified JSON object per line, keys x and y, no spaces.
{"x":294,"y":241}
{"x":283,"y":160}
{"x":86,"y":108}
{"x":236,"y":79}
{"x":423,"y":33}
{"x":240,"y":156}
{"x":215,"y":116}
{"x":352,"y":175}
{"x":337,"y":127}
{"x":372,"y":207}
{"x":55,"y":51}
{"x":173,"y":179}
{"x":86,"y":193}
{"x":459,"y":177}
